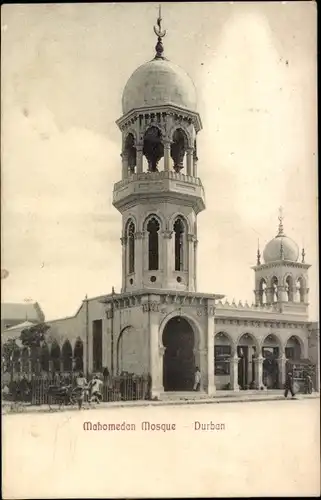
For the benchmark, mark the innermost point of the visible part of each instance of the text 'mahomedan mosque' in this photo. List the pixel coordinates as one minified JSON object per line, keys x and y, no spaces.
{"x":160,"y":323}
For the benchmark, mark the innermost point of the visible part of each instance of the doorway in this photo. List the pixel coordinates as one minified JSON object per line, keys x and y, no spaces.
{"x":179,"y":359}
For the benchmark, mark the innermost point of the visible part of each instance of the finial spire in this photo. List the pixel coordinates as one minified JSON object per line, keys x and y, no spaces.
{"x":160,"y":34}
{"x":303,"y":255}
{"x":258,"y":262}
{"x":281,"y":217}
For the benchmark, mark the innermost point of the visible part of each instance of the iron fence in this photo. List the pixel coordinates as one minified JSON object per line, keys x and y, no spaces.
{"x":34,"y":389}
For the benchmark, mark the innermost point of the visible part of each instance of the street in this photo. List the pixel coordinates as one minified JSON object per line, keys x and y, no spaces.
{"x":265,"y":448}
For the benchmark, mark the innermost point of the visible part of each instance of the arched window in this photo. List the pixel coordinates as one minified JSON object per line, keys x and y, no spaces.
{"x":274,"y":287}
{"x":153,"y":253}
{"x":67,"y":356}
{"x":131,"y":247}
{"x":55,"y":356}
{"x":289,"y":288}
{"x":130,"y":152}
{"x":179,"y":244}
{"x":178,"y":149}
{"x":262,"y":290}
{"x":153,"y":148}
{"x":299,"y":290}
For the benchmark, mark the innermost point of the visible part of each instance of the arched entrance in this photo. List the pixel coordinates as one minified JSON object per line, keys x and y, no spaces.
{"x":247,"y":349}
{"x":271,"y":349}
{"x":179,"y":359}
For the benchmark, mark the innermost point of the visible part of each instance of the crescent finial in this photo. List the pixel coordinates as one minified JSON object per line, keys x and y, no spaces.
{"x":160,"y":34}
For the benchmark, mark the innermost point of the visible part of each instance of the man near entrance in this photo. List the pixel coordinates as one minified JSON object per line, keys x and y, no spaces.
{"x":289,"y":385}
{"x":197,"y":380}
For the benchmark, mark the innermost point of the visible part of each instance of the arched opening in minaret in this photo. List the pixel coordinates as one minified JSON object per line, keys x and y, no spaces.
{"x":153,"y":244}
{"x":179,"y":232}
{"x":299,"y":290}
{"x":130,"y":152}
{"x":274,"y":289}
{"x":178,"y":149}
{"x":262,"y":292}
{"x":179,"y":358}
{"x":153,"y":148}
{"x":289,"y":288}
{"x":131,"y":247}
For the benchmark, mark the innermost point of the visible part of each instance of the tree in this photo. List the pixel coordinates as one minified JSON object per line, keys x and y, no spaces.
{"x":33,"y":337}
{"x":10,"y":352}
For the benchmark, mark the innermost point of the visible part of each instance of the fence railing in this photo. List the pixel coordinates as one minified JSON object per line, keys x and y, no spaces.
{"x":118,"y":388}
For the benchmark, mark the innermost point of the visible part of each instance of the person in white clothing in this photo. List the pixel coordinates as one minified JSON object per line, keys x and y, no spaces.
{"x":197,"y":379}
{"x":96,"y":389}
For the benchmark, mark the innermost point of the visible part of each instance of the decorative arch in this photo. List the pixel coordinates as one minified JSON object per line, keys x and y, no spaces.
{"x":130,"y":152}
{"x":300,"y":286}
{"x":289,"y":285}
{"x":271,"y":349}
{"x":130,"y":235}
{"x":130,"y":350}
{"x":179,"y":361}
{"x":180,"y":243}
{"x":199,"y":341}
{"x":274,"y":288}
{"x":153,"y":147}
{"x":157,"y":215}
{"x":67,"y":356}
{"x":55,"y":354}
{"x":224,"y":349}
{"x":79,"y":355}
{"x":262,"y":291}
{"x":246,"y":339}
{"x":179,"y":147}
{"x":189,"y":227}
{"x":153,"y":227}
{"x":189,"y":137}
{"x":294,"y":347}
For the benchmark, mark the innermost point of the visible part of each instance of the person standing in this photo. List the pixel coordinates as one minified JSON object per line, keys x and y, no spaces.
{"x":81,"y":385}
{"x":289,"y":385}
{"x":96,"y":389}
{"x":197,"y":379}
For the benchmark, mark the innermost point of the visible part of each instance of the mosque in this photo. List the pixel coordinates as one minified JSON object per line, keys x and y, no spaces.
{"x":160,"y":323}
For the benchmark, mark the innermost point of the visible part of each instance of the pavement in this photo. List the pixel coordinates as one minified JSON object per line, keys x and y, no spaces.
{"x":219,"y":397}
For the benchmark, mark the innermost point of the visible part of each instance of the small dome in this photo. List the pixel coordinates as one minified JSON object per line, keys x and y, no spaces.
{"x":281,"y":244}
{"x":156,"y":83}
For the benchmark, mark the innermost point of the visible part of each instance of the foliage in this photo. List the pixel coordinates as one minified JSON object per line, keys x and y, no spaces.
{"x":34,"y":336}
{"x":9,"y":349}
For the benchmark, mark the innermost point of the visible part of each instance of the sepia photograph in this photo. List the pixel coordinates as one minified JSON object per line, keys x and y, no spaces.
{"x":159,"y":256}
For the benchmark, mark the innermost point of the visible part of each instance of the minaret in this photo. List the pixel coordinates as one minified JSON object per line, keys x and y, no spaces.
{"x":160,"y":194}
{"x":282,"y":280}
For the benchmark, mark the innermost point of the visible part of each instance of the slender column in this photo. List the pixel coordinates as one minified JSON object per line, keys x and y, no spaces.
{"x":234,"y":372}
{"x":282,"y":294}
{"x":195,"y":166}
{"x":61,"y":365}
{"x":124,"y":157}
{"x":50,"y":365}
{"x":195,"y":265}
{"x":124,"y":266}
{"x":190,"y":264}
{"x":189,"y":161}
{"x":139,"y":159}
{"x":155,"y":349}
{"x":139,"y":259}
{"x":257,"y":297}
{"x":210,"y":348}
{"x":168,"y":256}
{"x":167,"y":151}
{"x":201,"y":355}
{"x":259,"y":371}
{"x":282,"y":370}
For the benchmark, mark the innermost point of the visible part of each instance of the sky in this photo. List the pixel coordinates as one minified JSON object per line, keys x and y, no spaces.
{"x":63,"y":70}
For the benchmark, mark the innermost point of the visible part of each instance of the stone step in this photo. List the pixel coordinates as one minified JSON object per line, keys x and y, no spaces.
{"x":182,"y":395}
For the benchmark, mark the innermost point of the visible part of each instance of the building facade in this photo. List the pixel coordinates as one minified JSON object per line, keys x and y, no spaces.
{"x":160,"y":323}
